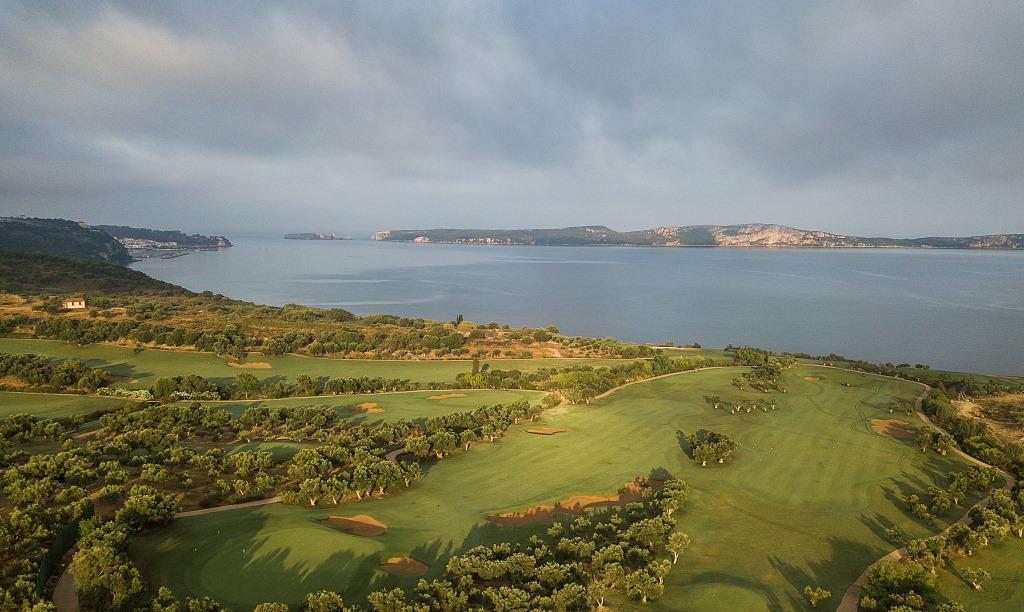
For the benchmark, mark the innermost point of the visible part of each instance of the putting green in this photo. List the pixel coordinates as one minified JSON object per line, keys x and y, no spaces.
{"x":141,"y":367}
{"x":395,"y":406}
{"x":805,"y":501}
{"x":53,"y":405}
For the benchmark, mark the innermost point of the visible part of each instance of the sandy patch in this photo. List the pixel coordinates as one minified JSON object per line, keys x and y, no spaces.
{"x":893,"y":427}
{"x":446,"y":396}
{"x":12,"y":382}
{"x":367,"y":407}
{"x":545,"y":431}
{"x":576,"y":504}
{"x":250,"y":365}
{"x":812,"y":378}
{"x":360,"y":525}
{"x":404,"y":566}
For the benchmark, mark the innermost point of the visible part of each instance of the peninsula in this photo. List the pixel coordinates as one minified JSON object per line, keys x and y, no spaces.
{"x":745,"y":235}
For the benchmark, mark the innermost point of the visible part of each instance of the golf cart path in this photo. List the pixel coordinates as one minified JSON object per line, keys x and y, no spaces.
{"x":852,"y":596}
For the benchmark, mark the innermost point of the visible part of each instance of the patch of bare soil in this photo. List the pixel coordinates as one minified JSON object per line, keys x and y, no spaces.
{"x":1004,"y":414}
{"x":367,"y":407}
{"x":12,"y":382}
{"x":893,"y":427}
{"x":546,"y":431}
{"x":576,"y":504}
{"x":812,"y":378}
{"x":404,"y":566}
{"x":446,"y":396}
{"x":360,"y":525}
{"x":250,"y":365}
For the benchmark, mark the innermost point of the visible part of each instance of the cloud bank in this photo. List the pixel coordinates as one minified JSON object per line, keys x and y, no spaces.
{"x":900,"y":118}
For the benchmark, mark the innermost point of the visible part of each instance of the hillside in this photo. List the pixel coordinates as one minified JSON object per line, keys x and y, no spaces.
{"x":746,"y":235}
{"x":62,"y":238}
{"x":34,"y":274}
{"x":180,"y":238}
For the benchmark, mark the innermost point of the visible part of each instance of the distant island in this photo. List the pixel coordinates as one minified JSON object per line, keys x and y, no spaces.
{"x":143,"y":242}
{"x":315,"y":236}
{"x":745,"y":235}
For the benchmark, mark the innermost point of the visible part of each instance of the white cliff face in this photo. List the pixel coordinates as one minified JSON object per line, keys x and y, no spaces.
{"x":777,"y":235}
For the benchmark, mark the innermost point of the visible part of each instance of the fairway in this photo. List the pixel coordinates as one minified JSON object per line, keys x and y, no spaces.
{"x":141,"y":367}
{"x":53,"y":406}
{"x":763,"y":526}
{"x":408,"y":405}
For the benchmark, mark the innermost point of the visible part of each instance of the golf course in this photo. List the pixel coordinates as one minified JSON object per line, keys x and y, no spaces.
{"x":805,"y":500}
{"x":373,"y":408}
{"x":53,"y":405}
{"x":140,"y":367}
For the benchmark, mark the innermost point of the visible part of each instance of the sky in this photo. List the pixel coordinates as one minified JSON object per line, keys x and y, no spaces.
{"x":861,"y":117}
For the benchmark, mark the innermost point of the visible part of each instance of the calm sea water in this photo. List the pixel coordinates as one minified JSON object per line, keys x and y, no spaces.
{"x":952,"y":309}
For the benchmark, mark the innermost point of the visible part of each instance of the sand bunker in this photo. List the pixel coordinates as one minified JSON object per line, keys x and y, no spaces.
{"x":631,"y":492}
{"x":250,"y":365}
{"x":368,"y":407}
{"x":446,"y":396}
{"x":360,"y":525}
{"x":812,"y":378}
{"x":545,"y":431}
{"x":893,"y":427}
{"x":404,"y":566}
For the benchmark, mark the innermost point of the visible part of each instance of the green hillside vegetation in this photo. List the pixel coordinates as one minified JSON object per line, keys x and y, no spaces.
{"x":62,"y":238}
{"x":36,"y":274}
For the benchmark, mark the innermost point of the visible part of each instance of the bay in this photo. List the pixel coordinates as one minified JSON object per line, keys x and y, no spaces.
{"x":960,"y":310}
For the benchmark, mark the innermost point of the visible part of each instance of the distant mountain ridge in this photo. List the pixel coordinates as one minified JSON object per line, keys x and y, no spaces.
{"x":744,"y":235}
{"x":61,"y":238}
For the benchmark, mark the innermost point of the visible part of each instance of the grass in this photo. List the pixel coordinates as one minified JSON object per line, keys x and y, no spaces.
{"x":805,"y":500}
{"x":141,"y":367}
{"x":1003,"y":593}
{"x":397,"y":406}
{"x":53,"y":405}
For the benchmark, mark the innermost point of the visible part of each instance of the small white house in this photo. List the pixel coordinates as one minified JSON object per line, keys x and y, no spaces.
{"x":73,"y":303}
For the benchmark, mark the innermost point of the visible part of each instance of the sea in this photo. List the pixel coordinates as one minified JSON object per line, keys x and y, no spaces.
{"x":950,"y":309}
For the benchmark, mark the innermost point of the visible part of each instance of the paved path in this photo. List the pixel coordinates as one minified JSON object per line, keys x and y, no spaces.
{"x":65,"y":596}
{"x":852,"y":595}
{"x":215,"y":509}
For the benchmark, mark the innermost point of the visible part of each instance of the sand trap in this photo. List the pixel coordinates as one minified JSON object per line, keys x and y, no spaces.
{"x":812,"y":378}
{"x":404,"y":566}
{"x":250,"y":365}
{"x":631,"y":492}
{"x":360,"y":525}
{"x":368,"y":407}
{"x":893,"y":427}
{"x":446,"y":396}
{"x":545,"y":431}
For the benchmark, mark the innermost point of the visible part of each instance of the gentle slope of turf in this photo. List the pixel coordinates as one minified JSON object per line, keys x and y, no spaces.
{"x":804,"y":502}
{"x":1004,"y":593}
{"x":141,"y":367}
{"x":411,"y":405}
{"x":53,"y":406}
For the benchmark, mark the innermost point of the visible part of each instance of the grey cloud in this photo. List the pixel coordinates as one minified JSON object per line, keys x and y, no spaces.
{"x":631,"y":114}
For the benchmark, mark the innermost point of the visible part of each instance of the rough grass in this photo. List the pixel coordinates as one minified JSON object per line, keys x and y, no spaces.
{"x":53,"y":406}
{"x":804,"y":501}
{"x":1004,"y":593}
{"x":141,"y":367}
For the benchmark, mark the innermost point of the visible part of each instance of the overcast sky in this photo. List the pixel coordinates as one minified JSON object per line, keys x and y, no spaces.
{"x":871,"y":118}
